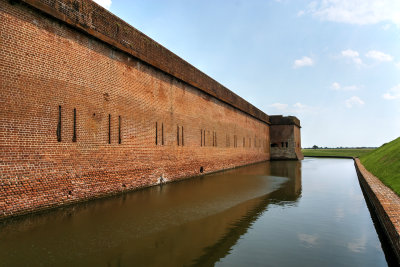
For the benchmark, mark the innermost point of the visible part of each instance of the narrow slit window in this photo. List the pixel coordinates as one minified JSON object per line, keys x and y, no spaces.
{"x":204,"y":138}
{"x":74,"y":127}
{"x":282,"y":144}
{"x":177,"y":134}
{"x":59,"y":125}
{"x":201,"y":137}
{"x":109,"y":128}
{"x":156,"y":133}
{"x":287,"y":144}
{"x":183,"y":140}
{"x":119,"y":130}
{"x":162,"y":133}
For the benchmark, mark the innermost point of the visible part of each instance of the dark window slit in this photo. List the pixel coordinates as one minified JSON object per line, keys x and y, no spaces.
{"x":74,"y":134}
{"x":109,"y":128}
{"x":119,"y":130}
{"x":177,"y":134}
{"x":201,"y":137}
{"x":59,"y":125}
{"x":162,"y":133}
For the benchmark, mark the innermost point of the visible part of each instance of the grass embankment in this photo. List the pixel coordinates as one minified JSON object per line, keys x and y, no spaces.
{"x":336,"y":152}
{"x":384,"y":163}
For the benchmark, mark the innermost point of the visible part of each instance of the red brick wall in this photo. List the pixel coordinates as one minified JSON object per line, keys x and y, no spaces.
{"x":93,"y":19}
{"x":289,"y":134}
{"x":45,"y":64}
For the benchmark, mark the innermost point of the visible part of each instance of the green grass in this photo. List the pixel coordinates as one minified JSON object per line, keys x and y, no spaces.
{"x":336,"y":152}
{"x":384,"y":163}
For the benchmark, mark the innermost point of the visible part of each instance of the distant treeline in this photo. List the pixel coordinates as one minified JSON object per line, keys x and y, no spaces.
{"x":340,"y":147}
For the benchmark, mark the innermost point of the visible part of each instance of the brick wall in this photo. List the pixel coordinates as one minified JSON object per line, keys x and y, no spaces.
{"x":385,"y":204}
{"x":285,"y":138}
{"x":80,"y":119}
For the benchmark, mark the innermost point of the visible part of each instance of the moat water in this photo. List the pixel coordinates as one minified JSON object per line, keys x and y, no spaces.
{"x":279,"y":213}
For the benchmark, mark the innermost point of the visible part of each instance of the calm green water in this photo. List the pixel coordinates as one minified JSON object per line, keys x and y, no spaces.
{"x":280,"y":213}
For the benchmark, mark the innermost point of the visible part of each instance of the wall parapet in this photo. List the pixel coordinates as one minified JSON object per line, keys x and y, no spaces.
{"x":98,"y":22}
{"x":287,"y":120}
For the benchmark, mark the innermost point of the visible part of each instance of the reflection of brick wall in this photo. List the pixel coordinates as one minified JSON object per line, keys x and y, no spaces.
{"x":59,"y":83}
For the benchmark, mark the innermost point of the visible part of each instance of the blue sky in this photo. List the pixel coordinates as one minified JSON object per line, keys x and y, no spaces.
{"x":335,"y":64}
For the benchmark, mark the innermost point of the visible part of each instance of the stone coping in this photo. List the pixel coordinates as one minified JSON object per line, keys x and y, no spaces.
{"x":386,"y":205}
{"x":284,"y":120}
{"x":92,"y":19}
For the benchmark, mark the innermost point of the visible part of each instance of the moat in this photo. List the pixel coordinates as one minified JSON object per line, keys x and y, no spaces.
{"x":279,"y":213}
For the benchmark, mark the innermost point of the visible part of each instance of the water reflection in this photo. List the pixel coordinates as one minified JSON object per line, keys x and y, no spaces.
{"x":168,"y":225}
{"x":279,"y":213}
{"x":288,"y":193}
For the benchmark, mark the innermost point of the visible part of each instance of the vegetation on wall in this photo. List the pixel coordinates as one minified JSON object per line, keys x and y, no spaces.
{"x":384,"y":163}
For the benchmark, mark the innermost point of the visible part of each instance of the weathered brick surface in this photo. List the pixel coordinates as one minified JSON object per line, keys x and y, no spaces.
{"x":285,"y":137}
{"x":98,"y":22}
{"x":386,"y":205}
{"x":46,"y":64}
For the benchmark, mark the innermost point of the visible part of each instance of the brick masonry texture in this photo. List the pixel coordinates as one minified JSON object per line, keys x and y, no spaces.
{"x":98,"y":22}
{"x":81,"y":118}
{"x":386,"y":205}
{"x":285,"y":138}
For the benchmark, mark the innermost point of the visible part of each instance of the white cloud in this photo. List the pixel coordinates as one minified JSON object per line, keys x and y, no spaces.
{"x":361,"y":12}
{"x":300,"y":13}
{"x":303,"y":62}
{"x":296,"y":109}
{"x":386,"y":27}
{"x":354,"y":101}
{"x":378,"y":55}
{"x":104,"y":3}
{"x":393,"y":93}
{"x":353,"y":55}
{"x":350,"y":53}
{"x":337,"y":87}
{"x":279,"y":106}
{"x":299,"y":105}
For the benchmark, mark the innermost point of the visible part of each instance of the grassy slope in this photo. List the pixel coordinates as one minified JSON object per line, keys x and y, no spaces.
{"x":336,"y":152}
{"x":384,"y":163}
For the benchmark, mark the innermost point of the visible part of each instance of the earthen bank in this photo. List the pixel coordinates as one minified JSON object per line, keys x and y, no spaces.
{"x":90,"y":107}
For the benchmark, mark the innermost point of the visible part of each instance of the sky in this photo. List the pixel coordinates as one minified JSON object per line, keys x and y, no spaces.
{"x":334,"y":64}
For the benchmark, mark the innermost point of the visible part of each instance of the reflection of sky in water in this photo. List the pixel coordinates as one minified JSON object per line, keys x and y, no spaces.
{"x":308,"y":240}
{"x":357,"y":245}
{"x":329,"y":225}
